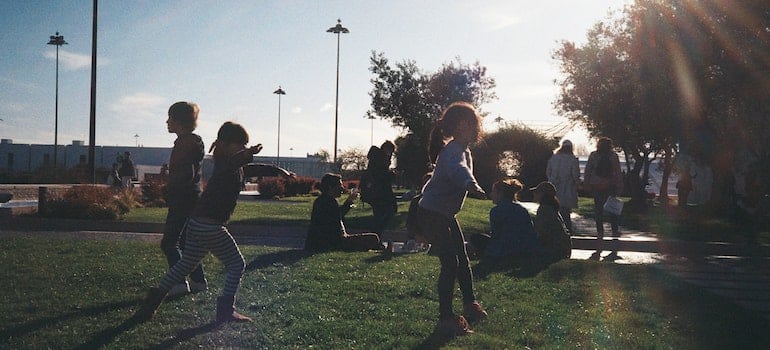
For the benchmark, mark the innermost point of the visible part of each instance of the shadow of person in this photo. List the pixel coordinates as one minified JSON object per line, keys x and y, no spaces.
{"x":435,"y":340}
{"x":106,"y":336}
{"x":280,"y":258}
{"x":522,"y":267}
{"x":186,"y":334}
{"x":596,"y":256}
{"x":32,"y":326}
{"x":612,"y":256}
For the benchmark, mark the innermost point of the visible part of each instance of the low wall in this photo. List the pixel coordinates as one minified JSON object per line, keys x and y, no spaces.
{"x":29,"y":192}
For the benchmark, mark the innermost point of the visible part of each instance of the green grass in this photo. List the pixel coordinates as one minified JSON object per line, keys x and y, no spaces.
{"x":690,"y":224}
{"x":474,"y":217}
{"x":64,"y":293}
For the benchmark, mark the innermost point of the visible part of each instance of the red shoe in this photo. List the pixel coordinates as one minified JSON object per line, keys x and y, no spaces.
{"x":474,"y":312}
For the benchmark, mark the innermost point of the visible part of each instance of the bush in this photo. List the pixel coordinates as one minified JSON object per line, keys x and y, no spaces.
{"x":90,"y":202}
{"x":271,"y":187}
{"x":153,"y":193}
{"x":299,"y":185}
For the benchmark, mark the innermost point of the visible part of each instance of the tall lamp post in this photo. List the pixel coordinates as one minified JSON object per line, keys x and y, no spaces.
{"x":338,"y":29}
{"x":279,"y":92}
{"x":56,"y":40}
{"x":136,"y":138}
{"x":371,"y":135}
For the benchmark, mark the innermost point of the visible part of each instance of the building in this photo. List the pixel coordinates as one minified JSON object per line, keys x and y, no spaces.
{"x":25,"y":158}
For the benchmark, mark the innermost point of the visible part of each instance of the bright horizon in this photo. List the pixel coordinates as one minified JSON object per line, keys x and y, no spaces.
{"x":229,"y":60}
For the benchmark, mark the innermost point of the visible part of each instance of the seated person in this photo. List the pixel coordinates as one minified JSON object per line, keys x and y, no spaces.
{"x":512,"y":236}
{"x":327,"y":230}
{"x":551,"y":230}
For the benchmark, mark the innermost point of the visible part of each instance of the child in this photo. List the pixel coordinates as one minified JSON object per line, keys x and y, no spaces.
{"x":327,"y":230}
{"x":442,"y":198}
{"x":512,"y":236}
{"x":206,"y":231}
{"x":183,"y":188}
{"x":549,"y":224}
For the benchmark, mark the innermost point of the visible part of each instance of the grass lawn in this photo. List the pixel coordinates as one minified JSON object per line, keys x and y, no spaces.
{"x":474,"y":217}
{"x":65,"y":293}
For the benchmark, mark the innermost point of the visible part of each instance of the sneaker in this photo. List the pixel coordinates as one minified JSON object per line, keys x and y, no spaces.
{"x":473,"y":312}
{"x":197,"y":287}
{"x":179,"y":289}
{"x":453,"y":326}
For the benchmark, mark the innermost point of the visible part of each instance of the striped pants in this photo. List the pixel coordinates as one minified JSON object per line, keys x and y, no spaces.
{"x":201,"y":239}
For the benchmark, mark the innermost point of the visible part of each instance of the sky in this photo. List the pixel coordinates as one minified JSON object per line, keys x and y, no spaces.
{"x":229,"y":57}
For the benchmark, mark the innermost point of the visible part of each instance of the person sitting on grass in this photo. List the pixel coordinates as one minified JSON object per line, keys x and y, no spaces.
{"x":206,"y":230}
{"x":552,"y":232}
{"x":327,"y":229}
{"x":512,"y":236}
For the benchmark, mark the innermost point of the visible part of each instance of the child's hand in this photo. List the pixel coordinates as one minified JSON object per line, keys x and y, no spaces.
{"x":255,"y":149}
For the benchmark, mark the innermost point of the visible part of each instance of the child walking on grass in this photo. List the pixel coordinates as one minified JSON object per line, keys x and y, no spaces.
{"x":442,"y":198}
{"x":206,"y":231}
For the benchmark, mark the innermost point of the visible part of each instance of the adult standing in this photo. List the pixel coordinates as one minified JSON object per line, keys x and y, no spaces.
{"x":563,"y":172}
{"x":127,"y":170}
{"x":183,"y":188}
{"x":377,"y":186}
{"x":604,"y":179}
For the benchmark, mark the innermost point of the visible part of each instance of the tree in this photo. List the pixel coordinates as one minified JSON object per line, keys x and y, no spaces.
{"x":512,"y":151}
{"x":412,"y":99}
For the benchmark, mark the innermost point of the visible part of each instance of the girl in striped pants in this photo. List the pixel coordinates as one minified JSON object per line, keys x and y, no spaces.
{"x":206,"y":230}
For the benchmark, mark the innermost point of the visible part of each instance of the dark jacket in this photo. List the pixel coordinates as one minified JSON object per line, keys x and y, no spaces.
{"x":326,"y":224}
{"x":218,"y":199}
{"x":184,"y":166}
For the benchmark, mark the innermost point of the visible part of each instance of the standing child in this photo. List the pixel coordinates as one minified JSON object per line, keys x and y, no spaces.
{"x":206,"y":231}
{"x":183,"y":188}
{"x":442,"y":198}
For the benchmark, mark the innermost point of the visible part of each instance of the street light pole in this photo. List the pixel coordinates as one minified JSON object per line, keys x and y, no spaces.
{"x":56,"y":40}
{"x":338,"y":29}
{"x":279,"y":92}
{"x":371,"y":119}
{"x":136,"y":138}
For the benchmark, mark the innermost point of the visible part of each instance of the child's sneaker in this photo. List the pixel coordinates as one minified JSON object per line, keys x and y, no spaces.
{"x":453,"y":326}
{"x":474,"y":312}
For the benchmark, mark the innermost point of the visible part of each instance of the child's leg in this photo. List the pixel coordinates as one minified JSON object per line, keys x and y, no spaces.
{"x":464,"y":273}
{"x":195,"y":251}
{"x":223,"y":246}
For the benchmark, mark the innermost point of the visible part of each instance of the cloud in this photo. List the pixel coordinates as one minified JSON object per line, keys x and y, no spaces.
{"x":73,"y":61}
{"x":496,"y":17}
{"x":140,"y":104}
{"x":296,"y":110}
{"x":327,"y":107}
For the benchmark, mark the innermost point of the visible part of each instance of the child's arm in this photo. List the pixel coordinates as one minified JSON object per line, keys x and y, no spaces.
{"x":244,"y":156}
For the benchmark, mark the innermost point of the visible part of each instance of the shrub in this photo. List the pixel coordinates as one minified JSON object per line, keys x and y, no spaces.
{"x":271,"y":187}
{"x":299,"y":185}
{"x":89,"y":202}
{"x":153,"y":193}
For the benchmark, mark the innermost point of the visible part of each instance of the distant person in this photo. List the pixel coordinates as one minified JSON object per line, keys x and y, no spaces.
{"x":551,"y":229}
{"x":442,"y":198}
{"x":377,"y":186}
{"x":563,"y":172}
{"x":604,"y":179}
{"x":206,"y":230}
{"x":684,"y":187}
{"x":127,"y":169}
{"x":512,"y":236}
{"x":327,"y":227}
{"x":113,"y":179}
{"x":183,"y":190}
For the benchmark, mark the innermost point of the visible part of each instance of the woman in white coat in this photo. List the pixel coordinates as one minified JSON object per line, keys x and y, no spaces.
{"x":563,"y":172}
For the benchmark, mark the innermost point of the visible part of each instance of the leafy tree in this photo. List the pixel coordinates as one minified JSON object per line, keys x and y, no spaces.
{"x":512,"y":151}
{"x":412,"y":99}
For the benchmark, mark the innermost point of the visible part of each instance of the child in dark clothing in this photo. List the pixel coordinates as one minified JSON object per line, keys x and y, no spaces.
{"x":183,"y":188}
{"x":206,"y":231}
{"x":327,"y":230}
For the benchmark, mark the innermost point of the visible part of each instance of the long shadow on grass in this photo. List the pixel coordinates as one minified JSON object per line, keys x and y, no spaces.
{"x":32,"y":326}
{"x":108,"y":335}
{"x":185,"y":335}
{"x":434,"y":341}
{"x":284,"y":257}
{"x":519,"y":269}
